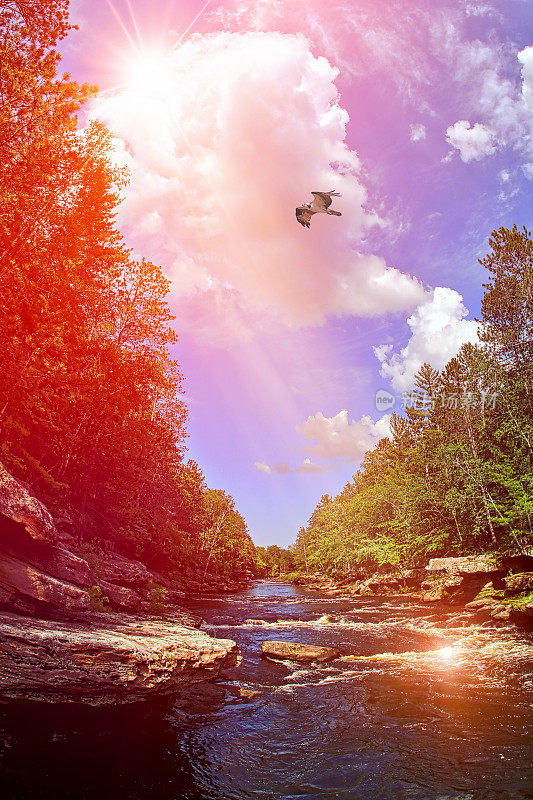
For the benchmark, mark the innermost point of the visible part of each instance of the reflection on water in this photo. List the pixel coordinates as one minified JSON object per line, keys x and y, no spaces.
{"x":420,"y":706}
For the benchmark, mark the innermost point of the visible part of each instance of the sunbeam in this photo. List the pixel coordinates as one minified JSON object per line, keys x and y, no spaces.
{"x":197,"y":17}
{"x":122,"y":25}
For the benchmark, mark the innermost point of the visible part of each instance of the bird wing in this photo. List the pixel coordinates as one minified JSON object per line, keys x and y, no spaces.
{"x":303,"y":215}
{"x":323,"y":199}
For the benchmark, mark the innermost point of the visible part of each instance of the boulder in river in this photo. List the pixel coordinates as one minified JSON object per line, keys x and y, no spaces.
{"x":242,"y":693}
{"x":293,"y":651}
{"x":327,"y":619}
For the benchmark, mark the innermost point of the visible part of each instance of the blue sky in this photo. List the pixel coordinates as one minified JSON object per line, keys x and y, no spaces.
{"x":421,"y":113}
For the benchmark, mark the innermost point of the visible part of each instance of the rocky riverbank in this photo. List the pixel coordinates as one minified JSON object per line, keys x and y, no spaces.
{"x":497,"y":586}
{"x":96,"y":629}
{"x":103,"y":661}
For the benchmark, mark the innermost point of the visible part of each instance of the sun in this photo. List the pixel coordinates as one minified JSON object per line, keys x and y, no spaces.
{"x":149,"y":72}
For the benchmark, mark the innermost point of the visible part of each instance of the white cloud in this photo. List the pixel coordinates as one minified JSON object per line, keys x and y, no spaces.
{"x":262,"y":467}
{"x":482,"y":72}
{"x":224,"y":137}
{"x":438,"y":331}
{"x":337,"y":437}
{"x":473,"y":142}
{"x":417,"y":132}
{"x":525,"y":57}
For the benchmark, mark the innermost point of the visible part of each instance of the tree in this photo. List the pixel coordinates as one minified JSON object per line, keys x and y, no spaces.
{"x":90,"y":409}
{"x":456,"y":475}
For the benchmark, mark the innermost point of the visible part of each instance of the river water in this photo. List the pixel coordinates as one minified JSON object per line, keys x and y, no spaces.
{"x":422,"y":705}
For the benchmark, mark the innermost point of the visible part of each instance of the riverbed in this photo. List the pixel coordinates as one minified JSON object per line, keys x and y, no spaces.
{"x":423,"y":704}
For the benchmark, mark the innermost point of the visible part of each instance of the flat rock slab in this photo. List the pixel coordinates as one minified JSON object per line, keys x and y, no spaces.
{"x":108,"y":660}
{"x":465,"y":564}
{"x":292,"y":651}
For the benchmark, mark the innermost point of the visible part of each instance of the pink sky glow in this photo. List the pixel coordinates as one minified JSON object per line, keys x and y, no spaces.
{"x":227,"y":116}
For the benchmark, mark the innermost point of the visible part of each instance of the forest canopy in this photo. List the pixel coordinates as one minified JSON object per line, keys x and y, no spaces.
{"x":90,"y":410}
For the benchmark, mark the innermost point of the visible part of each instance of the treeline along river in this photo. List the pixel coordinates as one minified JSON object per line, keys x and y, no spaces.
{"x":422,"y":705}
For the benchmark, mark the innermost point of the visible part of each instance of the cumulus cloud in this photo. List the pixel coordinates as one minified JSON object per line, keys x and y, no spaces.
{"x":438,"y":331}
{"x":337,"y":437}
{"x":413,"y":50}
{"x":525,"y":57}
{"x":417,"y":132}
{"x":224,"y":137}
{"x":474,"y":142}
{"x":481,"y":72}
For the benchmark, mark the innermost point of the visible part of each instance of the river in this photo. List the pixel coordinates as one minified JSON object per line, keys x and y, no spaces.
{"x":422,"y":705}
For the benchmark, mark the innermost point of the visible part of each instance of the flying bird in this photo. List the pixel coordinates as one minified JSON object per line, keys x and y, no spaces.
{"x":320,"y":205}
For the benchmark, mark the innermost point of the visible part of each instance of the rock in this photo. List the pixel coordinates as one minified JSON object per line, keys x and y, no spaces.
{"x":517,"y":562}
{"x":502,"y":613}
{"x":105,"y":661}
{"x":433,"y":591}
{"x":520,"y":583}
{"x":326,"y":619}
{"x":18,"y":577}
{"x":293,"y":651}
{"x":465,"y":564}
{"x":115,"y":568}
{"x":465,"y":576}
{"x":381,"y":584}
{"x":37,"y":566}
{"x":240,"y":693}
{"x":34,"y":561}
{"x":353,"y":589}
{"x":435,"y":594}
{"x":19,"y":506}
{"x":482,"y":602}
{"x":120,"y":596}
{"x":184,"y":618}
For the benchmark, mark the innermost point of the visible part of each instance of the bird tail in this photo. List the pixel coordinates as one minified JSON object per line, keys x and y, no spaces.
{"x":337,"y":213}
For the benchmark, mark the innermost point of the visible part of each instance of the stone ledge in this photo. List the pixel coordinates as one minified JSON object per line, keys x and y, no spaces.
{"x":105,"y":661}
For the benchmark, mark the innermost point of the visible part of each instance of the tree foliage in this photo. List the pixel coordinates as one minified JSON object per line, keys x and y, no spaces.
{"x":273,"y":561}
{"x":456,"y":475}
{"x":90,"y":409}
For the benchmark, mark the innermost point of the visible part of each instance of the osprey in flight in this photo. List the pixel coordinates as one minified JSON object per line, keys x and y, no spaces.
{"x":320,"y":205}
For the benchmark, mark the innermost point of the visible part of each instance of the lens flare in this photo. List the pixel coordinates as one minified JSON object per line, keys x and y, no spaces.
{"x":446,"y":653}
{"x":149,"y":72}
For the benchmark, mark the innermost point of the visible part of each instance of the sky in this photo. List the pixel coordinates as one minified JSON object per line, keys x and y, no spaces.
{"x":227,"y":116}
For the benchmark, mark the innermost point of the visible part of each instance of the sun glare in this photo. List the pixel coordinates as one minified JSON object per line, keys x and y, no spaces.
{"x":149,"y":72}
{"x":446,"y":653}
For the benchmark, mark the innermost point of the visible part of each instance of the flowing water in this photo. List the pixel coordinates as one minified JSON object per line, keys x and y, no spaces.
{"x":420,"y":706}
